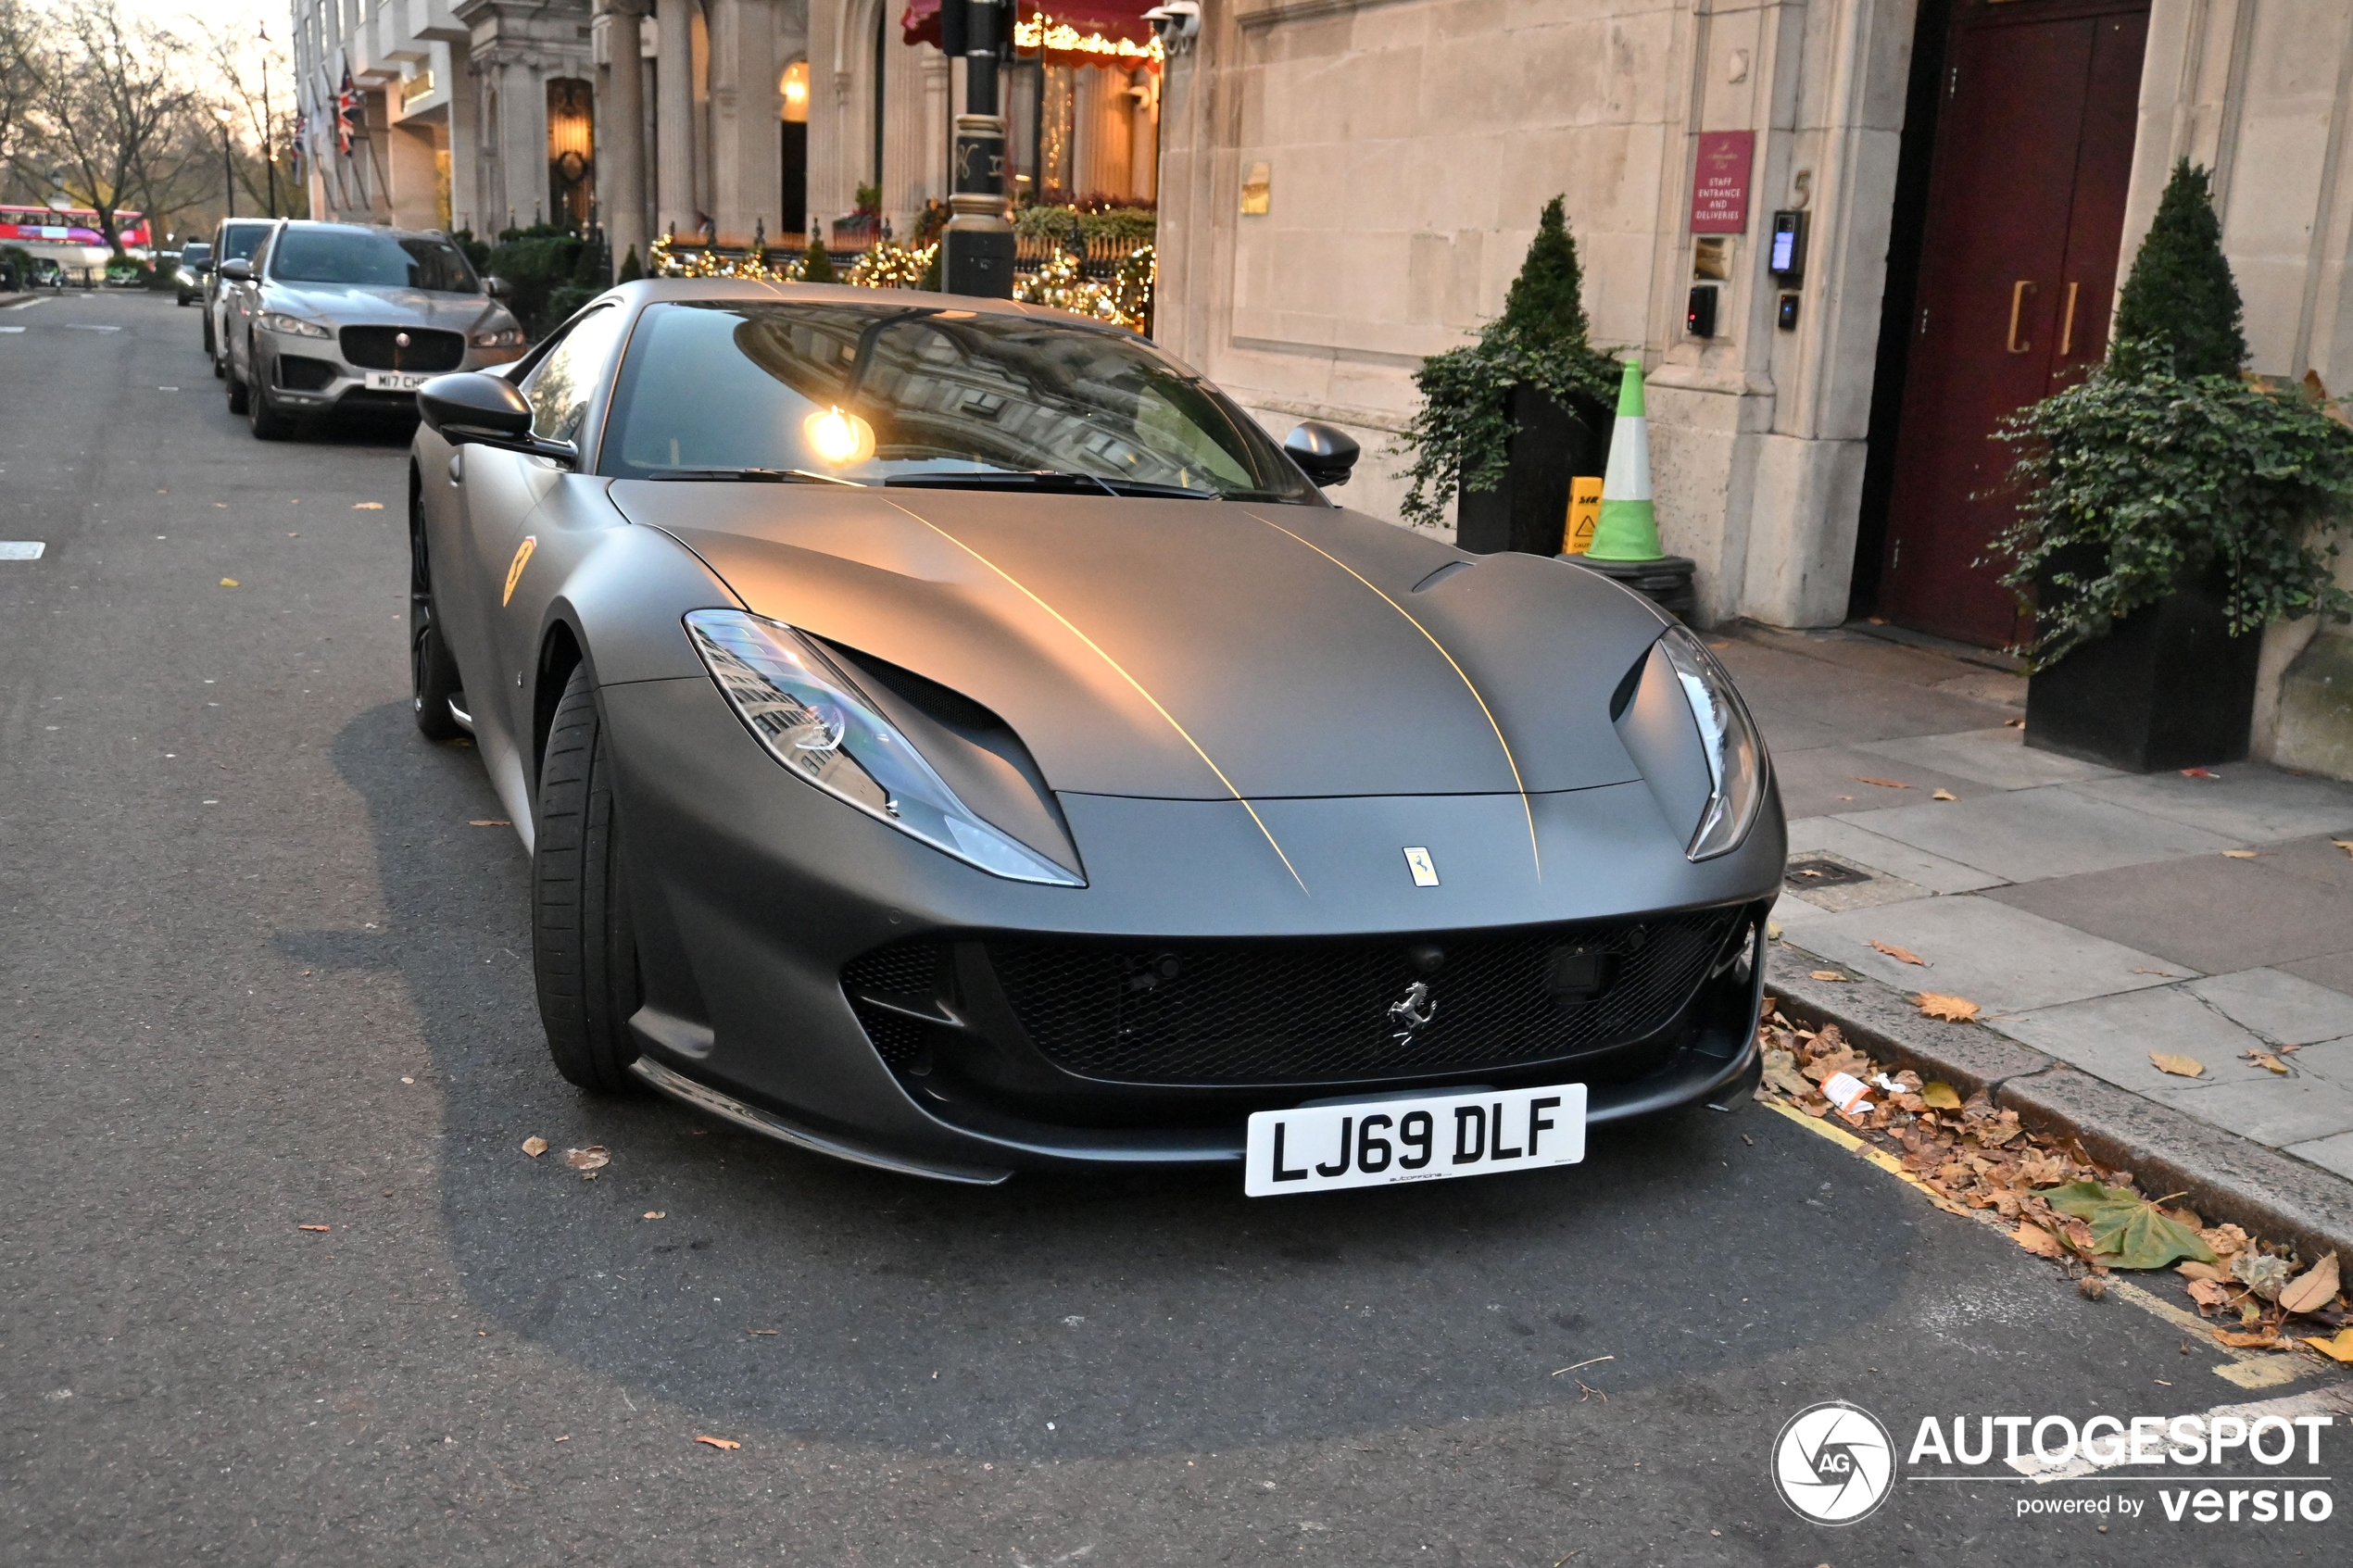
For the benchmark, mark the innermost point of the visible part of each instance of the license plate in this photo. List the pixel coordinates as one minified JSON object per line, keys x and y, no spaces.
{"x":1424,"y":1138}
{"x":395,"y":380}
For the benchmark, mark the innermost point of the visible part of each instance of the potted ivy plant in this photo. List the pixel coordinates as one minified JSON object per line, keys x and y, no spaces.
{"x":2169,"y":509}
{"x":1506,"y":422}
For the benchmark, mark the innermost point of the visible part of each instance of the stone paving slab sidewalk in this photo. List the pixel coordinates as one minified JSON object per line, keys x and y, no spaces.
{"x":2096,"y":917}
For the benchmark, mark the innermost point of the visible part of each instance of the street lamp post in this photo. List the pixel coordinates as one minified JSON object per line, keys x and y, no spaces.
{"x":228,"y":171}
{"x":979,"y":237}
{"x":269,"y":129}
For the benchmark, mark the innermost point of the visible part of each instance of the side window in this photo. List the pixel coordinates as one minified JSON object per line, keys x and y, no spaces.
{"x":560,"y":385}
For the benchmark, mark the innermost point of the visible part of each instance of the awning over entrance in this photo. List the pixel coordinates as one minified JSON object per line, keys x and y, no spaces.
{"x":1111,"y":33}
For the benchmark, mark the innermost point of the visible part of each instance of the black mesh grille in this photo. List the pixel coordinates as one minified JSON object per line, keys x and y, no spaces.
{"x":907,"y":968}
{"x":1236,"y":1012}
{"x":1319,"y":1011}
{"x":379,"y":349}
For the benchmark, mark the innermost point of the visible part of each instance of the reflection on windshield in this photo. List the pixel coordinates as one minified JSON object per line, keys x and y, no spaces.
{"x":366,"y":258}
{"x":729,"y":385}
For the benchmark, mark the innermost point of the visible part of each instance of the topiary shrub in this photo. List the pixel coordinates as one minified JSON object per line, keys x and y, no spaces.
{"x":817,"y":263}
{"x":1460,"y":437}
{"x":2166,"y":468}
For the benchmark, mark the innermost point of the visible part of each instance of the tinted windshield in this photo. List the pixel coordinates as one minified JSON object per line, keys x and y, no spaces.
{"x":238,"y":241}
{"x":365,"y":256}
{"x":196,"y":255}
{"x":738,"y":384}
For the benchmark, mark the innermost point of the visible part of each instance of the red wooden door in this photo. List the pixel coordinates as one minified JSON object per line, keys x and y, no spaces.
{"x":2018,"y":275}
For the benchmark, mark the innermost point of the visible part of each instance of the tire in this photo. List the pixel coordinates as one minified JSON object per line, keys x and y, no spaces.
{"x":432,"y":671}
{"x":211,"y":350}
{"x":237,"y":393}
{"x":583,"y":944}
{"x":266,"y":422}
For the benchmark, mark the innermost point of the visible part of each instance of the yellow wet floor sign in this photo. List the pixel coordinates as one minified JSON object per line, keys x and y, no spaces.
{"x":1584,"y":512}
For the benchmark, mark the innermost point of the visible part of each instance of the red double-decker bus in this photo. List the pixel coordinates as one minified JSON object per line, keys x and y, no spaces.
{"x":70,"y":236}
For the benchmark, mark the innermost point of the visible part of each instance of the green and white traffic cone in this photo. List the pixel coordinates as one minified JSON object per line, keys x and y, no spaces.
{"x":1629,"y":527}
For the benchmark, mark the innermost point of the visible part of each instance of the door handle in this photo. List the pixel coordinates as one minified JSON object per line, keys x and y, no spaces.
{"x":2067,"y":325}
{"x":2019,"y":291}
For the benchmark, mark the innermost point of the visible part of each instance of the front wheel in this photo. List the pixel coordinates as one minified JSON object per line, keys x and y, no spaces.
{"x":432,"y":671}
{"x":267,"y":422}
{"x":238,"y":390}
{"x":583,"y":944}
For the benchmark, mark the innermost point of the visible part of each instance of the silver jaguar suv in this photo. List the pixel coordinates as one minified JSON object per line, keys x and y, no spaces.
{"x":331,"y":318}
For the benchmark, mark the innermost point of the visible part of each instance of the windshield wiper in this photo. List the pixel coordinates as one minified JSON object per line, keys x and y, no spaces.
{"x":1047,"y":478}
{"x":769,"y":476}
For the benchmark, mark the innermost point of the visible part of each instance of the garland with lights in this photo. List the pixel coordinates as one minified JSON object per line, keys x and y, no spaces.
{"x":1042,"y":32}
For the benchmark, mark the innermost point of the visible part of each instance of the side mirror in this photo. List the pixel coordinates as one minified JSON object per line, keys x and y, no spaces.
{"x":498,"y":287}
{"x":471,"y":408}
{"x":236,"y":271}
{"x":1324,"y":454}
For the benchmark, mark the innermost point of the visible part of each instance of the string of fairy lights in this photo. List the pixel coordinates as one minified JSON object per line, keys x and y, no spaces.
{"x":1059,"y":282}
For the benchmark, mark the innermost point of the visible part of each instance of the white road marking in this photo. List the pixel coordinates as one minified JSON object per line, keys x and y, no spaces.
{"x":2333,"y":1401}
{"x":21,"y":549}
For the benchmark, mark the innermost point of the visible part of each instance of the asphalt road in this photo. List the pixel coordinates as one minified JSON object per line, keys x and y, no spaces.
{"x":261,"y":969}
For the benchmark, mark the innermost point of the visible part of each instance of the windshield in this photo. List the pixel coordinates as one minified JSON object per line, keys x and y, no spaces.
{"x":369,"y":256}
{"x":196,"y":255}
{"x":928,"y":395}
{"x":238,"y":241}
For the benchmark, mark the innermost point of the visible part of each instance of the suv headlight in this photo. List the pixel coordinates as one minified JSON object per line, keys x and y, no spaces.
{"x":1735,"y":753}
{"x":812,"y":720}
{"x":498,"y":337}
{"x":294,"y":326}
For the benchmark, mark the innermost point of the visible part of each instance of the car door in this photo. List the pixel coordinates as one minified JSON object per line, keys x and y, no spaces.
{"x":503,"y":492}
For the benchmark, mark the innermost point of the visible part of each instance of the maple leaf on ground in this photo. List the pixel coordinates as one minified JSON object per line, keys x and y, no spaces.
{"x":1901,"y":955}
{"x":2127,"y":1231}
{"x":1953,"y":1009}
{"x":2180,"y":1066}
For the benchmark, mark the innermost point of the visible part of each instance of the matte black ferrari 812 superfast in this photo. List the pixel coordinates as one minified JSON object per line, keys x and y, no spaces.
{"x":951,"y":735}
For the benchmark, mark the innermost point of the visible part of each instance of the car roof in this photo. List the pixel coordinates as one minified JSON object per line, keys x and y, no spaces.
{"x":307,"y":223}
{"x":753,"y":290}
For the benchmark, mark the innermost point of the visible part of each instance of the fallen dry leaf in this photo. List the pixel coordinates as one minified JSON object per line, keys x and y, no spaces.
{"x":1883,"y":784}
{"x":593,"y":1158}
{"x":2267,"y":1061}
{"x":489,"y":822}
{"x":2195,"y":1271}
{"x":2312,"y":1289}
{"x":2200,"y":773}
{"x":763,"y":1331}
{"x":1953,"y":1009}
{"x":2250,"y":1341}
{"x":534,"y":1146}
{"x":314,"y":1227}
{"x":2037,"y":1240}
{"x":1825,"y":975}
{"x":2337,"y":1350}
{"x":2344,"y":844}
{"x":367,"y":505}
{"x":1944,"y":794}
{"x":657,"y":1213}
{"x":2013,"y":724}
{"x":718,"y":1442}
{"x":230,"y":582}
{"x":2180,"y":1066}
{"x":1941,"y":1095}
{"x":1901,"y":955}
{"x":2238,"y":854}
{"x":2210,"y":1293}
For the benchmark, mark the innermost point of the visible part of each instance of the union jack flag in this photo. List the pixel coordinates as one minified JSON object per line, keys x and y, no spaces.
{"x":351,"y":114}
{"x":301,"y":140}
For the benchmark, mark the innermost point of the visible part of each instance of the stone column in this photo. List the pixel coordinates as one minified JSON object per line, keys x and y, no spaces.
{"x":414,"y":188}
{"x":465,"y":139}
{"x":675,"y":118}
{"x":621,"y":117}
{"x":746,"y":108}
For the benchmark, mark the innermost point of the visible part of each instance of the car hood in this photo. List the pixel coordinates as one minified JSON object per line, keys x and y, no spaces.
{"x":360,"y":305}
{"x":1193,"y":650}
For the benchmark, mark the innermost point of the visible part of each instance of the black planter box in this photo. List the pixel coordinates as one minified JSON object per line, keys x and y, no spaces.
{"x":2167,"y":687}
{"x":1549,"y":446}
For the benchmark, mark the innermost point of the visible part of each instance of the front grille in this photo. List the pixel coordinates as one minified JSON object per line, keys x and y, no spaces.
{"x":1318,"y":1009}
{"x":378,"y":349}
{"x":299,"y":372}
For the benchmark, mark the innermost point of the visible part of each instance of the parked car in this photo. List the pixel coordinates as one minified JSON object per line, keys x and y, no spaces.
{"x":951,"y":735}
{"x":188,"y":278}
{"x":235,"y":240}
{"x":345,"y":316}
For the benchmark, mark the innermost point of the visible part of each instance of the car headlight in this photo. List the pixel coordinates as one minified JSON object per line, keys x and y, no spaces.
{"x":1728,"y":737}
{"x":498,"y":337}
{"x":294,"y":326}
{"x":812,"y":720}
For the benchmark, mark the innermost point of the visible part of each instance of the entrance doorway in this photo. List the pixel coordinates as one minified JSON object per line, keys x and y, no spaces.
{"x":2034,"y":104}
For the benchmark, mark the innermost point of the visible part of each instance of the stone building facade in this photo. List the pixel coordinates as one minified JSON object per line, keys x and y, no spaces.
{"x":1972,"y":176}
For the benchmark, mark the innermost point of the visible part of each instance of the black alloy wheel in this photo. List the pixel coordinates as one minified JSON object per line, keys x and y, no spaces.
{"x":583,"y":944}
{"x":432,"y":671}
